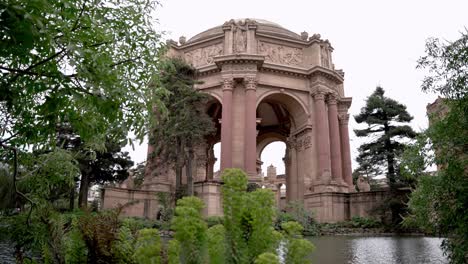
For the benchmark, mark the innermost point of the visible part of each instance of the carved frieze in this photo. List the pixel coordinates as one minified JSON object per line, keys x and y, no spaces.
{"x":203,"y":56}
{"x":281,"y":54}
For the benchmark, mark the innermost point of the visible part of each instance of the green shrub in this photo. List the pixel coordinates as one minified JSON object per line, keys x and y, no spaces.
{"x":297,"y":248}
{"x":295,"y":211}
{"x":364,"y":222}
{"x":148,"y":247}
{"x":248,"y":219}
{"x":214,"y":220}
{"x":190,"y":230}
{"x":267,"y":258}
{"x":216,"y":236}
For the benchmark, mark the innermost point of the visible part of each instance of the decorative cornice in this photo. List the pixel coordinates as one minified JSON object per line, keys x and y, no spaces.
{"x":173,"y":44}
{"x":239,"y":58}
{"x":344,"y":104}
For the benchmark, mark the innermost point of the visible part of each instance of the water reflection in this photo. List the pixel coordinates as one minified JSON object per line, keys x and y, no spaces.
{"x":357,"y":250}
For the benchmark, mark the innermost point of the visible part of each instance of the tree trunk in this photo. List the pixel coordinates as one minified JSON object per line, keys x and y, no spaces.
{"x":189,"y":172}
{"x":178,"y":166}
{"x":389,"y":156}
{"x":72,"y":198}
{"x":83,"y":195}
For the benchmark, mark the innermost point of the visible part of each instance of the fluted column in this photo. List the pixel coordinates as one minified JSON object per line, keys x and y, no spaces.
{"x":226,"y":124}
{"x":250,"y":155}
{"x":335,"y":141}
{"x":345,"y":150}
{"x":322,"y":136}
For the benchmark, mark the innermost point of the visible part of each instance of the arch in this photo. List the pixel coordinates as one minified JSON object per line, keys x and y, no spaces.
{"x":297,"y":110}
{"x":287,"y":93}
{"x":214,"y":95}
{"x":267,"y":138}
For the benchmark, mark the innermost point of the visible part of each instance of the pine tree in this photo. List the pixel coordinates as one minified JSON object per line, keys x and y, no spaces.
{"x":384,"y":117}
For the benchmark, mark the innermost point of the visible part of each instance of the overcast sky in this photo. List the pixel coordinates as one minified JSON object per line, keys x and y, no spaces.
{"x":375,"y":42}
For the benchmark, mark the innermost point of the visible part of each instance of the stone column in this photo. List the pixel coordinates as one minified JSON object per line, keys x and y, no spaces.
{"x":287,"y":167}
{"x":345,"y":150}
{"x":323,"y":141}
{"x":226,"y":124}
{"x":335,"y":149}
{"x":250,"y":150}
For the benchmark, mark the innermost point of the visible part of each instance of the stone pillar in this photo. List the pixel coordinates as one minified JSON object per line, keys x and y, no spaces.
{"x":292,"y":184}
{"x":226,"y":124}
{"x":287,"y":167}
{"x":323,"y":141}
{"x":250,"y":154}
{"x":335,"y":149}
{"x":345,"y":150}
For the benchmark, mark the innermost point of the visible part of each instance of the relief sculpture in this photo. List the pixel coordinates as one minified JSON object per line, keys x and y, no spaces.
{"x":281,"y":54}
{"x":204,"y":56}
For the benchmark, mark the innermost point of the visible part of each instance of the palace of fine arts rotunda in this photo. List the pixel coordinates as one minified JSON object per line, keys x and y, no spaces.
{"x":266,"y":84}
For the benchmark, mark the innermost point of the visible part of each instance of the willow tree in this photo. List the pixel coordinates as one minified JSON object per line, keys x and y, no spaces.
{"x":183,"y":123}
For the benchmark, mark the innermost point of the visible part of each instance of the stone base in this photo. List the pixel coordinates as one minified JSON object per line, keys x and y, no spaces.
{"x":210,"y":193}
{"x":332,"y":207}
{"x":139,"y":203}
{"x":332,"y":186}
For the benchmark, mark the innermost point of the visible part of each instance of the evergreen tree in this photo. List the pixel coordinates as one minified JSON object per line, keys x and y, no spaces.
{"x":183,"y":123}
{"x":384,"y":117}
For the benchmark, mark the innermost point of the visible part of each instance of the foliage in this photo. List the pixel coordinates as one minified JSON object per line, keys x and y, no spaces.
{"x":138,"y":174}
{"x":148,"y":247}
{"x":214,"y":220}
{"x":184,"y":123}
{"x":76,"y":61}
{"x":440,"y":202}
{"x":216,"y":237}
{"x":364,"y":222}
{"x":248,"y":219}
{"x":173,"y":252}
{"x":267,"y":258}
{"x":190,"y":229}
{"x":100,"y":231}
{"x":295,"y":211}
{"x":297,"y":248}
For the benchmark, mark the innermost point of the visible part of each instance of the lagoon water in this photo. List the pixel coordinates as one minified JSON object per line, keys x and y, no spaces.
{"x":378,"y":250}
{"x":351,"y":250}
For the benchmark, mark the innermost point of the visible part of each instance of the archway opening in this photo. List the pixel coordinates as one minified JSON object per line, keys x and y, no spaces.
{"x":217,"y":156}
{"x":272,"y":155}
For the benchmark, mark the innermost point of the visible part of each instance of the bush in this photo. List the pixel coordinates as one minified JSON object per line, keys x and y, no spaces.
{"x":267,"y":258}
{"x":297,"y":248}
{"x":295,"y":211}
{"x":364,"y":222}
{"x":190,"y":229}
{"x":214,"y":220}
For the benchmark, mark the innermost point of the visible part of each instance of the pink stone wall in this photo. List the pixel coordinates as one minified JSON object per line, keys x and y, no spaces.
{"x":139,"y":203}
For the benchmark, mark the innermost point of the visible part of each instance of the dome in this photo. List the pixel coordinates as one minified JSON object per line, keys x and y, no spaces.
{"x":263,"y":26}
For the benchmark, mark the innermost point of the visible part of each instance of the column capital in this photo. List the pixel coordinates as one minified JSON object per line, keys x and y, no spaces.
{"x":250,"y":83}
{"x":227,"y":84}
{"x":319,"y":95}
{"x":343,"y":118}
{"x":332,"y":99}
